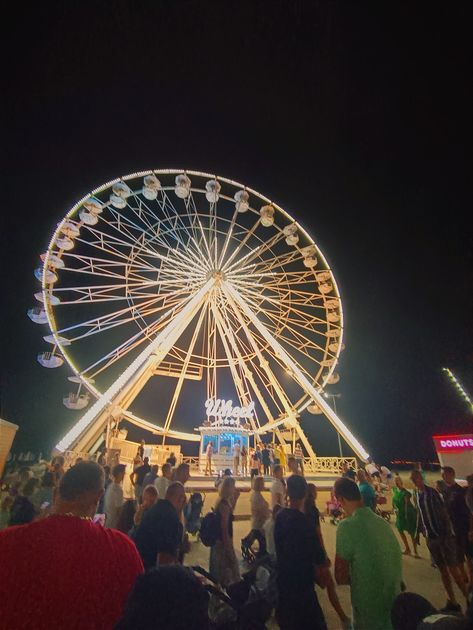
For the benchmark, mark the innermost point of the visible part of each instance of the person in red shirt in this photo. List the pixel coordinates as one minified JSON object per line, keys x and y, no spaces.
{"x":65,"y":571}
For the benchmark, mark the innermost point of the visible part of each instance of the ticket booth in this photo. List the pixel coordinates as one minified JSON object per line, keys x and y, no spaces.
{"x":456,"y":451}
{"x":223,"y":440}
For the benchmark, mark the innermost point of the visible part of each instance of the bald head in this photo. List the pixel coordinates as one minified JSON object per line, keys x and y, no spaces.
{"x":176,"y":495}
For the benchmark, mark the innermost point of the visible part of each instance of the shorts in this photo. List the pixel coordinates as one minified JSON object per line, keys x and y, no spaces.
{"x":462,"y":546}
{"x":444,"y":551}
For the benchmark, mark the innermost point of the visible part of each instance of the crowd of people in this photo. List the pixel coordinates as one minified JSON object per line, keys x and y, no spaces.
{"x":75,"y":553}
{"x":258,"y":460}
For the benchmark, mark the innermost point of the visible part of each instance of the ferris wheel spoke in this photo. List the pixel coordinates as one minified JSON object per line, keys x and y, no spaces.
{"x":180,"y":381}
{"x":260,"y":249}
{"x":228,"y":238}
{"x":194,"y":219}
{"x":98,"y":322}
{"x":226,"y":267}
{"x":137,"y":339}
{"x":263,"y":362}
{"x":246,"y":371}
{"x":191,"y":244}
{"x":266,"y":266}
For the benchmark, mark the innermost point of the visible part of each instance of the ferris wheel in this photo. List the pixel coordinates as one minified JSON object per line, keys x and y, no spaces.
{"x":167,"y":278}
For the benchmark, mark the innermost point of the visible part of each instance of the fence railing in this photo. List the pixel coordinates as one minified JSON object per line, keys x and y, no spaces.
{"x":328,"y":464}
{"x":192,"y":461}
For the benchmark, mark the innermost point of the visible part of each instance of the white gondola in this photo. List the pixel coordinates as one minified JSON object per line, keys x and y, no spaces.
{"x":121,"y":190}
{"x":308,"y":251}
{"x":325,"y":287}
{"x":310,"y":262}
{"x":334,"y":333}
{"x":290,"y":232}
{"x":38,"y":315}
{"x":212,"y":189}
{"x":50,"y":360}
{"x":183,"y":186}
{"x":80,"y":379}
{"x":333,"y":378}
{"x":242,"y":201}
{"x":151,"y":185}
{"x":332,"y":303}
{"x":50,"y":276}
{"x":323,"y":276}
{"x":53,"y":261}
{"x":65,"y":243}
{"x":327,"y":362}
{"x":52,"y":299}
{"x":267,"y":215}
{"x":333,"y":347}
{"x":58,"y":339}
{"x":70,"y":229}
{"x":93,"y":205}
{"x":314,"y":409}
{"x":76,"y":401}
{"x":333,"y":316}
{"x":88,"y":217}
{"x":118,"y":202}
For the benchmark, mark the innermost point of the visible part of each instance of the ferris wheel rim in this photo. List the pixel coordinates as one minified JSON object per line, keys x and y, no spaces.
{"x":300,"y":405}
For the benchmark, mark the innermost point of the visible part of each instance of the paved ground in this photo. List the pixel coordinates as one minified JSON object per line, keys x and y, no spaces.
{"x":419,"y":576}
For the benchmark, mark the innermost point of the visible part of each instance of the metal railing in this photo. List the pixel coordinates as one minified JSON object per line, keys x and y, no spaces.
{"x":328,"y":464}
{"x":192,"y":461}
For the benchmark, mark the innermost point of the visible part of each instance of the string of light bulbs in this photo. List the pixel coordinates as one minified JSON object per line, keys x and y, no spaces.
{"x":458,"y":386}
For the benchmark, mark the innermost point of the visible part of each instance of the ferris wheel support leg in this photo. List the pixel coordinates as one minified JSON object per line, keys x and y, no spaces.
{"x":226,"y":336}
{"x":177,"y":390}
{"x":299,"y":376}
{"x":96,"y":417}
{"x":226,"y":332}
{"x":264,"y":363}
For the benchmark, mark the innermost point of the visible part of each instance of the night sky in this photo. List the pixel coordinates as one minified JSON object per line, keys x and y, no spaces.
{"x":355,"y":117}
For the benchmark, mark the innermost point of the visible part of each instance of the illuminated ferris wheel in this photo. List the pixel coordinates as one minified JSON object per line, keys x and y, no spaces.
{"x":166,"y":279}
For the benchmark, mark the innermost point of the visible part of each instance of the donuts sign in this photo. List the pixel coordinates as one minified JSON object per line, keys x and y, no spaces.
{"x":453,"y":443}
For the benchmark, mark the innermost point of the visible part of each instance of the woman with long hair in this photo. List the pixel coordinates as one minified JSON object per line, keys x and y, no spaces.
{"x":259,"y":515}
{"x":223,"y":565}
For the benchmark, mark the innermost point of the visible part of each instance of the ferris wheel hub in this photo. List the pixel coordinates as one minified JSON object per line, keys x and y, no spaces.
{"x":217,"y":275}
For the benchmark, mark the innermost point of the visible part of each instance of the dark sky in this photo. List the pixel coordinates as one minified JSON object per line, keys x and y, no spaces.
{"x":355,"y":117}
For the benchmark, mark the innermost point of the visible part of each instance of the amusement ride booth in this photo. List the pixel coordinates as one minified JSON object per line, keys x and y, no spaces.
{"x":230,"y":426}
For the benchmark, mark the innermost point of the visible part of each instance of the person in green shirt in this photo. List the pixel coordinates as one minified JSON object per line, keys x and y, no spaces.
{"x":368,"y":558}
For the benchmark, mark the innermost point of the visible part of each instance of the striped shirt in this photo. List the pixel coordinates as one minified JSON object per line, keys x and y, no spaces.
{"x":432,"y":513}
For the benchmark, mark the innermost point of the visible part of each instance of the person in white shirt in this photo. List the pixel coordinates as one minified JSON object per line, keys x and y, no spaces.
{"x":386,"y":476}
{"x":372,"y":470}
{"x":114,"y":497}
{"x":208,"y":464}
{"x":236,"y":458}
{"x":162,"y":483}
{"x":278,"y":488}
{"x":268,"y":529}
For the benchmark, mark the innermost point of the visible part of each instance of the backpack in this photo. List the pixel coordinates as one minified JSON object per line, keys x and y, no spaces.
{"x":210,"y":529}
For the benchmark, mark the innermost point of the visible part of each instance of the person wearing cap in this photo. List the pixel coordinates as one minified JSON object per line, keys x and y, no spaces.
{"x":301,"y":560}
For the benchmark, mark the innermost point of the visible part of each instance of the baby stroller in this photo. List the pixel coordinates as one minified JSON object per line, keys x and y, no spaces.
{"x":247,"y":604}
{"x":382,"y":500}
{"x":334,"y":510}
{"x":193,"y":513}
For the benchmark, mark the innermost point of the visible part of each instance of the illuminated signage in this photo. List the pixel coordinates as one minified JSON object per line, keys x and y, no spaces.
{"x":225,"y":413}
{"x":453,"y":443}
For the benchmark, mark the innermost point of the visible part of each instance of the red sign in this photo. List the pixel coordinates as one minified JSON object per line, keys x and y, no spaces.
{"x":453,"y":443}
